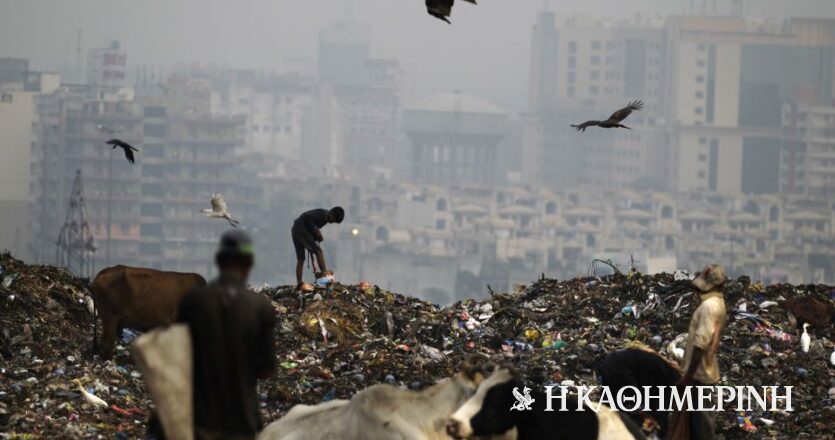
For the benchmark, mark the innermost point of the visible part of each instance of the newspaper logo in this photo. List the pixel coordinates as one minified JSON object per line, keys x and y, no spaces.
{"x":523,"y":402}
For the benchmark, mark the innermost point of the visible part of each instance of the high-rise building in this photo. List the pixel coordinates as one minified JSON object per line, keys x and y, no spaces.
{"x":808,"y":155}
{"x":20,"y":90}
{"x":352,"y":120}
{"x":146,"y":214}
{"x":585,"y":69}
{"x":715,"y":89}
{"x":729,"y":80}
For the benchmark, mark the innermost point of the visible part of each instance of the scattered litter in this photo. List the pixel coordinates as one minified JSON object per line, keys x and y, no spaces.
{"x":341,"y":339}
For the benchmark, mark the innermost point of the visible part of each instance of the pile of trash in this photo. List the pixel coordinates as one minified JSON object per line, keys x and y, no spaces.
{"x":46,"y":332}
{"x":340,"y":339}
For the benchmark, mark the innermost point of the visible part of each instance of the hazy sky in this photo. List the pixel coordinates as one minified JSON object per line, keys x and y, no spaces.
{"x":485,"y":51}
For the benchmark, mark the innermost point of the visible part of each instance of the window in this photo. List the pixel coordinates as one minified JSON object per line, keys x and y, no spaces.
{"x":595,"y":60}
{"x":595,"y":74}
{"x":153,"y":151}
{"x":572,"y":62}
{"x":154,"y":112}
{"x":6,"y":97}
{"x":700,"y":63}
{"x":570,"y":92}
{"x":594,"y":90}
{"x":595,"y":45}
{"x":703,"y":158}
{"x":702,"y":47}
{"x":154,"y":130}
{"x":151,"y":209}
{"x":153,"y":170}
{"x":572,"y":47}
{"x":572,"y":77}
{"x":700,"y":95}
{"x":152,"y":190}
{"x":150,"y":249}
{"x":699,"y":110}
{"x":701,"y":174}
{"x":702,"y":141}
{"x":440,"y":224}
{"x":700,"y":79}
{"x":151,"y":230}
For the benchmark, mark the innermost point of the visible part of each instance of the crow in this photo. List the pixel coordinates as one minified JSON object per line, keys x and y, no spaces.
{"x":441,"y":9}
{"x":124,"y":146}
{"x":615,"y":120}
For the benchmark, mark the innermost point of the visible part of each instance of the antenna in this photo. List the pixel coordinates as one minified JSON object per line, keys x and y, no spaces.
{"x":75,"y":248}
{"x":78,"y":57}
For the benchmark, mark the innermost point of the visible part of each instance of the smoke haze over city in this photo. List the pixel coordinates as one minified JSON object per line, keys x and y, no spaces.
{"x":449,"y":146}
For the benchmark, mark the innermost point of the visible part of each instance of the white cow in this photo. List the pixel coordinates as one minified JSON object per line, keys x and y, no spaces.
{"x":380,"y":412}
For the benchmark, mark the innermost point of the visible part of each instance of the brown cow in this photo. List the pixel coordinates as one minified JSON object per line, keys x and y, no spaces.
{"x":138,"y":298}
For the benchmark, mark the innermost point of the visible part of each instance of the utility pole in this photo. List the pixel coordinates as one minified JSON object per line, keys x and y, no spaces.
{"x":109,"y":205}
{"x":110,"y":131}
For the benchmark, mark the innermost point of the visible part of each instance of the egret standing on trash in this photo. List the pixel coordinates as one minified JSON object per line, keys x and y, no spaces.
{"x":307,"y":235}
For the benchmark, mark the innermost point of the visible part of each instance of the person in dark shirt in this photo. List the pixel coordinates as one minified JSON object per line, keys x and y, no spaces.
{"x":232,"y":332}
{"x":307,"y":235}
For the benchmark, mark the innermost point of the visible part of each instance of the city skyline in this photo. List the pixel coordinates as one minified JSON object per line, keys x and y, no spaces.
{"x":446,"y":189}
{"x":258,"y":35}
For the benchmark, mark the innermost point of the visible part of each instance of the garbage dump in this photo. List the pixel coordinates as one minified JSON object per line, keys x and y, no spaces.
{"x":340,"y":339}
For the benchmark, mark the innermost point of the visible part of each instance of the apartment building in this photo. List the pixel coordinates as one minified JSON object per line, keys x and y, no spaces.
{"x":20,"y":90}
{"x":729,"y":80}
{"x":153,"y":207}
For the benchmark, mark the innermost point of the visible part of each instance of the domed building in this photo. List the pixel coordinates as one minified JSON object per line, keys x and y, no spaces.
{"x":454,"y":139}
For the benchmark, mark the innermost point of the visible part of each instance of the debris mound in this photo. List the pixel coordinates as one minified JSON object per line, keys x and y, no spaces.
{"x":340,"y":339}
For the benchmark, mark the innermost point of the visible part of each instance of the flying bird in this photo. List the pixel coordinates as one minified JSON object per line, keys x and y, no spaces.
{"x":805,"y":339}
{"x":615,"y":120}
{"x":219,"y":210}
{"x":92,"y":399}
{"x":124,"y":146}
{"x":441,"y":9}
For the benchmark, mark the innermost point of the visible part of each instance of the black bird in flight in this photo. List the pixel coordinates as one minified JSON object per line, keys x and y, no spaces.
{"x":441,"y":9}
{"x":615,"y":120}
{"x":124,"y":146}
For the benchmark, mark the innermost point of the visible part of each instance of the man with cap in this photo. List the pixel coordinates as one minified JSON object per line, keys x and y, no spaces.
{"x":700,"y":364}
{"x":307,"y":235}
{"x":232,"y":332}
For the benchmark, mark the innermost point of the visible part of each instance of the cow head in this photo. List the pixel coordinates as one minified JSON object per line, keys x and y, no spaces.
{"x":487,"y":412}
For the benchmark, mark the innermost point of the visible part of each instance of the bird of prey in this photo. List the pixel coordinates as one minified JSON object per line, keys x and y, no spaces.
{"x":124,"y":146}
{"x":615,"y":120}
{"x":219,"y":210}
{"x":441,"y":9}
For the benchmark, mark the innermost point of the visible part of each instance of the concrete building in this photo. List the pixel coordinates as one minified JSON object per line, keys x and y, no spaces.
{"x":154,"y":213}
{"x":729,"y":80}
{"x":808,"y":154}
{"x":20,"y":90}
{"x":454,"y":139}
{"x":584,"y":69}
{"x":352,"y":120}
